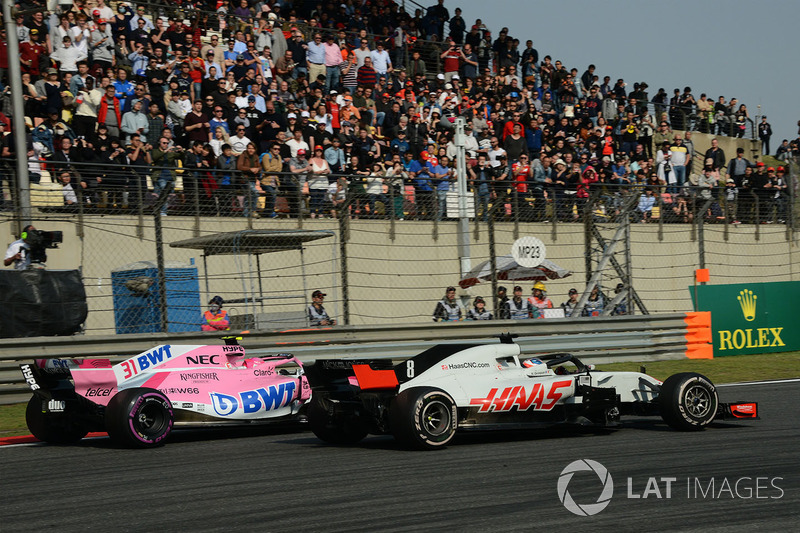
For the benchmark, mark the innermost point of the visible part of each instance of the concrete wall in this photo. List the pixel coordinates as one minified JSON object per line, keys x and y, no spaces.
{"x":400,"y":279}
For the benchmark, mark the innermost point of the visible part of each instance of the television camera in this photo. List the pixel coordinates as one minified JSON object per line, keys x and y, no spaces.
{"x":39,"y":241}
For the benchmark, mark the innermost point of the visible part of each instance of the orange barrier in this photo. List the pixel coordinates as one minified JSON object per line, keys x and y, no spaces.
{"x":698,"y":335}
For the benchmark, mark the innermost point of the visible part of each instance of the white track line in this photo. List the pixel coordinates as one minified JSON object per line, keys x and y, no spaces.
{"x":765,"y":382}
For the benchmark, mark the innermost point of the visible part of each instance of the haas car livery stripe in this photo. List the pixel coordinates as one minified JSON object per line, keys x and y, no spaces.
{"x":538,"y":397}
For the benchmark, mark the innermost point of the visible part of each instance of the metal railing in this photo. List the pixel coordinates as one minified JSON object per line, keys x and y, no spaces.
{"x":107,"y":189}
{"x":640,"y":338}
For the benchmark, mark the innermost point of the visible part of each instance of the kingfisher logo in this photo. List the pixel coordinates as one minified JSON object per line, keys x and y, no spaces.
{"x":747,"y":301}
{"x":585,"y":509}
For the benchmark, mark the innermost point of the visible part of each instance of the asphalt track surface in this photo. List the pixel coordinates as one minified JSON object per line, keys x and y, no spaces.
{"x":285,"y":480}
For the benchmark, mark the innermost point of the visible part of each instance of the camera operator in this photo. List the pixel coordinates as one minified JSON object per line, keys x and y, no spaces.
{"x":19,"y":251}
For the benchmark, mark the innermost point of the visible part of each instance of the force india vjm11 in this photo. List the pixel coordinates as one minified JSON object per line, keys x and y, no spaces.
{"x":141,"y":399}
{"x":424,"y":400}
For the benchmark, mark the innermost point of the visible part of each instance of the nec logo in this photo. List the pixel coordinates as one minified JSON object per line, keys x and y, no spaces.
{"x":202,"y":360}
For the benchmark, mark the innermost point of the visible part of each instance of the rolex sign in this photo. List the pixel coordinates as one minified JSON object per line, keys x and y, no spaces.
{"x":751,"y":318}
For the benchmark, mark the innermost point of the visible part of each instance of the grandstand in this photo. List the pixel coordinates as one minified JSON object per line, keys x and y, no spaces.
{"x":235,"y":113}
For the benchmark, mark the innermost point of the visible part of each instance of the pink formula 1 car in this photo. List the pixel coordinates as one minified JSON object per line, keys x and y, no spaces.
{"x":140,"y":400}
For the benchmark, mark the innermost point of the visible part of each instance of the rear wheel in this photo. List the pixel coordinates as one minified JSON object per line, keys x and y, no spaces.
{"x":340,"y":429}
{"x":139,"y":417}
{"x":423,"y":418}
{"x":55,"y":428}
{"x":688,"y":401}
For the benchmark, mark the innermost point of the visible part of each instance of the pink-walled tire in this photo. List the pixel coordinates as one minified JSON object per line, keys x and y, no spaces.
{"x":139,"y":418}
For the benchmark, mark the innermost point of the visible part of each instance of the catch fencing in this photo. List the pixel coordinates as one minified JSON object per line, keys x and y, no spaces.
{"x":380,"y":257}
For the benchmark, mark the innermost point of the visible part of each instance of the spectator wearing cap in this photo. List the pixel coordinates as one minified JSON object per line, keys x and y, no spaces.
{"x":317,"y":315}
{"x":479,"y":311}
{"x":519,"y":308}
{"x":31,"y":52}
{"x":101,"y":45}
{"x":502,"y":304}
{"x":448,"y":309}
{"x":571,"y":303}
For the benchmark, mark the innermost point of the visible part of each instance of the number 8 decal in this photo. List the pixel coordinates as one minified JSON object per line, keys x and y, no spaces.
{"x":410,"y":368}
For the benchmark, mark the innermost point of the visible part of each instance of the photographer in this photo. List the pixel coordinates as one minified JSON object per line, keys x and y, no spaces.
{"x":19,"y":251}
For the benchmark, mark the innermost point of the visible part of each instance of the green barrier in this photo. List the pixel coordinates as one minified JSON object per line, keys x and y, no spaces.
{"x":751,"y":318}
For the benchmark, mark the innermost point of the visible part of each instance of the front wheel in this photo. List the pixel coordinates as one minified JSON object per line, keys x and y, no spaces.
{"x":688,"y":401}
{"x":140,"y":417}
{"x":54,"y":428}
{"x":423,"y":418}
{"x":342,"y":430}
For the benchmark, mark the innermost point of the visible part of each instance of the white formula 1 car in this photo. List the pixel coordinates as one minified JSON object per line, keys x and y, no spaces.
{"x":424,"y":400}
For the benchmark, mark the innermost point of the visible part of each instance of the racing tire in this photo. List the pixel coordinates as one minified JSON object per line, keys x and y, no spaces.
{"x":53,"y":428}
{"x":688,"y":401}
{"x":339,"y":430}
{"x":139,"y":418}
{"x":423,"y":418}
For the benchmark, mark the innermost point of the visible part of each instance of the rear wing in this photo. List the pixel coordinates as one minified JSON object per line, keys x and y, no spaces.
{"x":341,"y":374}
{"x":373,"y":374}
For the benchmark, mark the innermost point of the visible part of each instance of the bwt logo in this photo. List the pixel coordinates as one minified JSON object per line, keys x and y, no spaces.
{"x":252,"y":401}
{"x":586,"y":509}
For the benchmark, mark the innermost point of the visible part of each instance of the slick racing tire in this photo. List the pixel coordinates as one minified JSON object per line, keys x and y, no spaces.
{"x":139,"y":418}
{"x":423,"y":418}
{"x":688,"y":401}
{"x":54,"y":428}
{"x":341,"y":430}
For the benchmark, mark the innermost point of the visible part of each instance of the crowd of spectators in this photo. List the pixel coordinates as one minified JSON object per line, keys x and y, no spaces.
{"x":269,"y":107}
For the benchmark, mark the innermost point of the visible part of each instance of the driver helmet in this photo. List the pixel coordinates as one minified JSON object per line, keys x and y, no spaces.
{"x":533,"y":362}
